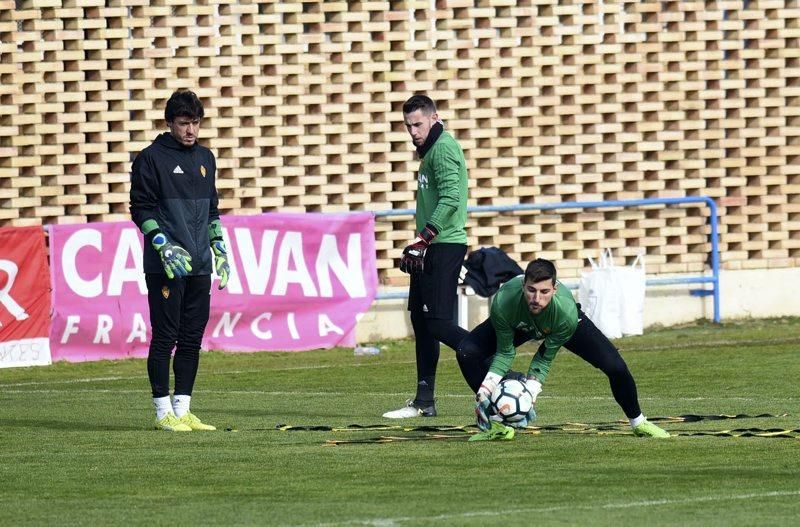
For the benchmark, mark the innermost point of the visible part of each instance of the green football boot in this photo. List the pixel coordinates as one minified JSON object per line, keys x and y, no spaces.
{"x":648,"y":429}
{"x":498,"y":432}
{"x":194,"y":423}
{"x":170,"y":423}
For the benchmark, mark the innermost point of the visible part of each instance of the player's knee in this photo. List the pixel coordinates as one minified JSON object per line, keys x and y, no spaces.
{"x":188,"y":349}
{"x":162,"y":346}
{"x":468,"y":350}
{"x":616,"y":368}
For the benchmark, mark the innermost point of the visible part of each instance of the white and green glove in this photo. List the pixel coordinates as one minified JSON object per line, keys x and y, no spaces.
{"x":483,"y":400}
{"x":533,"y":385}
{"x":175,"y":259}
{"x":221,"y":265}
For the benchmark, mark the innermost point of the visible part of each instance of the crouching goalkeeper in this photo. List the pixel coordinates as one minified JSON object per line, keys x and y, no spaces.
{"x":535,"y":306}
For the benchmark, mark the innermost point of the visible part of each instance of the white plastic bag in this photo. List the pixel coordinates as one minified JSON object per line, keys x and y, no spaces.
{"x":632,"y":283}
{"x":601,"y":297}
{"x":613,"y":297}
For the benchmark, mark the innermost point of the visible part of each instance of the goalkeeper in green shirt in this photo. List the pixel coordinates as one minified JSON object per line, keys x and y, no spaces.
{"x":434,"y":257}
{"x":535,"y":306}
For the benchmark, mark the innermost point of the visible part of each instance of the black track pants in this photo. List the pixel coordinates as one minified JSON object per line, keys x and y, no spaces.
{"x":431,"y":301}
{"x":179,"y":311}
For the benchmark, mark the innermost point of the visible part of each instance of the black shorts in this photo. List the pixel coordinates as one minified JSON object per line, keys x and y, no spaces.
{"x":433,"y":292}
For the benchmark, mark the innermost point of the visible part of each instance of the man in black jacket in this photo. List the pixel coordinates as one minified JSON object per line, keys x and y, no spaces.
{"x":174,"y":203}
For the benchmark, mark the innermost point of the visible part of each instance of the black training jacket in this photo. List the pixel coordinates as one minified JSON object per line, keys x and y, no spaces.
{"x":175,"y":186}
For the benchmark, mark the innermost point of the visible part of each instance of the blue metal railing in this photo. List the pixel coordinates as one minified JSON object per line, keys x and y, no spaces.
{"x":713,"y":220}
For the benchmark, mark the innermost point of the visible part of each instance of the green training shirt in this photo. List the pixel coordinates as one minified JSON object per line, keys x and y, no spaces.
{"x":442,"y":191}
{"x":555,"y":324}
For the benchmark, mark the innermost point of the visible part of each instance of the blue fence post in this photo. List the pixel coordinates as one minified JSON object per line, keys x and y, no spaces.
{"x":713,"y":220}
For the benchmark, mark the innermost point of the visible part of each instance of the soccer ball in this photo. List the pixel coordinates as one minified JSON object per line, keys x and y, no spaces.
{"x":511,"y":400}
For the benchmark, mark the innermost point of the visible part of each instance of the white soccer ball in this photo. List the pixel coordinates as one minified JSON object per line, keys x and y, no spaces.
{"x":511,"y":400}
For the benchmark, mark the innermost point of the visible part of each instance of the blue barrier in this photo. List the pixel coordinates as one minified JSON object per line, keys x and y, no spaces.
{"x":713,"y":279}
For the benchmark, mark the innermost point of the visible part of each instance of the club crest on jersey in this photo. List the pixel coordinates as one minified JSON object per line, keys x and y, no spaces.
{"x":165,"y":292}
{"x":202,"y":171}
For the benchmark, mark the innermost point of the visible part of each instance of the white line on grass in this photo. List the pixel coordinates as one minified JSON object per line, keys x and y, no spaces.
{"x":391,"y":522}
{"x":266,"y":393}
{"x":84,"y":380}
{"x":234,"y":372}
{"x":341,"y":365}
{"x":234,"y":392}
{"x":65,"y":381}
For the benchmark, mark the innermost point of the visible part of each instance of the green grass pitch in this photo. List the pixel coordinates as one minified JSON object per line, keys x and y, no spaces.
{"x":77,"y":445}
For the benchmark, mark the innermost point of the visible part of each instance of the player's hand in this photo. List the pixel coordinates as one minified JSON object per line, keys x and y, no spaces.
{"x":414,"y":253}
{"x":175,"y":259}
{"x":221,"y":265}
{"x":482,"y":400}
{"x":525,"y":421}
{"x":534,"y":386}
{"x":482,"y":413}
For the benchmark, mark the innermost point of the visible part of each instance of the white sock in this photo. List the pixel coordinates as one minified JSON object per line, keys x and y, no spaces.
{"x":180,"y":403}
{"x":636,"y":421}
{"x":163,"y":406}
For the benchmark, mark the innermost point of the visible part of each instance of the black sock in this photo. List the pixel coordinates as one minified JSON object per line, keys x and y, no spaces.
{"x":425,"y":390}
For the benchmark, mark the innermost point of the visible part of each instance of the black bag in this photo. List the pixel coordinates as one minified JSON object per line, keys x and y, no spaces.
{"x":488,"y":269}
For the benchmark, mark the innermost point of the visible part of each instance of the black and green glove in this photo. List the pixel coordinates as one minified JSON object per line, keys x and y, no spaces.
{"x":175,"y":259}
{"x":221,"y":265}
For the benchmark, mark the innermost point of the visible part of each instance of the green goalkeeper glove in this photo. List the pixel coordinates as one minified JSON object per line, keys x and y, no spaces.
{"x":174,"y":258}
{"x":221,"y":265}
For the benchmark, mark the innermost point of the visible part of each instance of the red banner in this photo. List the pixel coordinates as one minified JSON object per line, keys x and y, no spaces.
{"x":24,"y":297}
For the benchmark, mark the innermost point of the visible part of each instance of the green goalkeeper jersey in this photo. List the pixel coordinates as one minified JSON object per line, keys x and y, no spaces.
{"x":555,"y":324}
{"x":442,"y":191}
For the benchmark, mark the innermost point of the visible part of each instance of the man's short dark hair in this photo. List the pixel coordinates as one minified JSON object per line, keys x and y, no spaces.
{"x":540,"y":269}
{"x":183,"y":103}
{"x":419,"y":102}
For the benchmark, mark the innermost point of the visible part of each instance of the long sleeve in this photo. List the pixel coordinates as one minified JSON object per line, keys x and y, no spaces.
{"x":540,"y":364}
{"x":442,"y":191}
{"x":213,"y":206}
{"x":505,"y":352}
{"x":447,"y":168}
{"x":144,"y":192}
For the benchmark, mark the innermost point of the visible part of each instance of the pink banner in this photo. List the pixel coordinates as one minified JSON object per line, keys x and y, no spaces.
{"x":298,"y":282}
